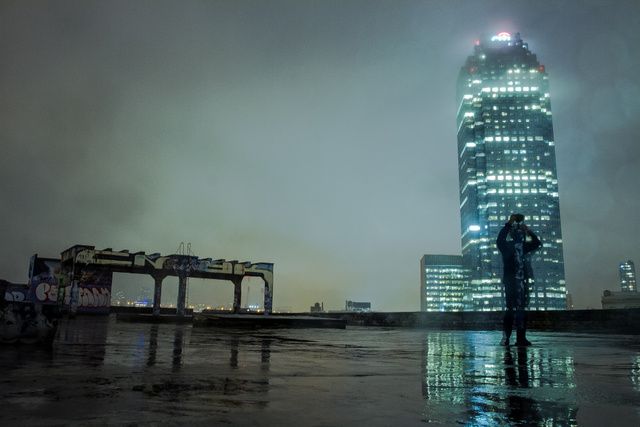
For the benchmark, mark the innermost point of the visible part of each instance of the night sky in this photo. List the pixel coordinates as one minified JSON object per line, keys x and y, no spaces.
{"x":317,"y":135}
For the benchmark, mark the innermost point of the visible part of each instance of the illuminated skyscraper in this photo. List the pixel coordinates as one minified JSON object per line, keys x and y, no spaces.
{"x":507,"y":164}
{"x":627,"y":276}
{"x":443,"y":282}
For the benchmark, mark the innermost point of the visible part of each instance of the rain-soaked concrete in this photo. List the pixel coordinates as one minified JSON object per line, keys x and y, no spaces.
{"x":100,"y":371}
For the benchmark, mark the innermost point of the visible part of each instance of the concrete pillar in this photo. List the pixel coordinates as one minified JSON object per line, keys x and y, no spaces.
{"x":268,"y":297}
{"x":237,"y":294}
{"x":157,"y":294}
{"x":74,"y":298}
{"x":182,"y":294}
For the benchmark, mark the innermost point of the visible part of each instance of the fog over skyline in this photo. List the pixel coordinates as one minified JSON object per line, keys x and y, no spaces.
{"x":317,"y":135}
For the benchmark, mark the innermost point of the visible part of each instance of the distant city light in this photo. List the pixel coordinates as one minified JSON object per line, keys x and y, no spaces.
{"x":474,"y":228}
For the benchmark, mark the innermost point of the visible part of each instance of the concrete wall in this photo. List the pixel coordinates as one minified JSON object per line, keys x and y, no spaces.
{"x":623,"y":321}
{"x":146,"y":310}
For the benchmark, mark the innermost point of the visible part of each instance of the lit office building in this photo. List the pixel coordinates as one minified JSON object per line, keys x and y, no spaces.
{"x":507,"y":164}
{"x":443,"y":282}
{"x":627,"y":277}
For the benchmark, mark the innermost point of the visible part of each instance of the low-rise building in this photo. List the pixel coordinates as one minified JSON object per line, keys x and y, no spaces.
{"x":357,"y":306}
{"x":444,"y":280}
{"x":317,"y":308}
{"x":620,"y":300}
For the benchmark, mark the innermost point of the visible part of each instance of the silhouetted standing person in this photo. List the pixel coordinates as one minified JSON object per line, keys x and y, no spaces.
{"x":514,"y":247}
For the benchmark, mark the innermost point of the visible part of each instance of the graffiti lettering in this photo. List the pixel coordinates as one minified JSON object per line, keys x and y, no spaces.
{"x":46,"y":292}
{"x":95,"y":297}
{"x":15,"y":296}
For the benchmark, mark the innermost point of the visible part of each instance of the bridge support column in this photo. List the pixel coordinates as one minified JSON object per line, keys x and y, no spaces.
{"x":268,"y":297}
{"x":237,"y":294}
{"x":74,"y":299}
{"x":182,"y":295}
{"x":157,"y":294}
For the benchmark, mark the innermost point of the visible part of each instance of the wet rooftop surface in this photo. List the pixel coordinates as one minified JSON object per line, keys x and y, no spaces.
{"x":100,"y":371}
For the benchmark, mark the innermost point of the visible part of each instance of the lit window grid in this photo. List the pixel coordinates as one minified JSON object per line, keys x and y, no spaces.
{"x":444,"y":283}
{"x":627,"y":272}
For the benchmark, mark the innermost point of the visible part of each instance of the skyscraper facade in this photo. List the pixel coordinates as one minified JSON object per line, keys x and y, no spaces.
{"x":507,"y":164}
{"x":443,"y":283}
{"x":627,"y":271}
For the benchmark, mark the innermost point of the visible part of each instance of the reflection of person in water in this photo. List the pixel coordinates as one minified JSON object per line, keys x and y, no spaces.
{"x":520,"y":409}
{"x":521,"y":378}
{"x":514,"y":247}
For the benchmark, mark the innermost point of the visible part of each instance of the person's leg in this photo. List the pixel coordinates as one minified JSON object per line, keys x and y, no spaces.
{"x":507,"y":320}
{"x":507,"y":326}
{"x":521,"y":328}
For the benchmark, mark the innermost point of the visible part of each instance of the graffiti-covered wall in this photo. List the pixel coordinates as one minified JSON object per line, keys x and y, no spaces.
{"x":94,"y":291}
{"x":15,"y":292}
{"x":45,"y":279}
{"x":47,"y":285}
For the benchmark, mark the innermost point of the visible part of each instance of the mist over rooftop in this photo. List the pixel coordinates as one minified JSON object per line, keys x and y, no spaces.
{"x":317,"y":136}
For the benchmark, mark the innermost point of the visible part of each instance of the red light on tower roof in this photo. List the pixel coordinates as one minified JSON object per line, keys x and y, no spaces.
{"x":476,"y":42}
{"x":541,"y":68}
{"x":501,"y":37}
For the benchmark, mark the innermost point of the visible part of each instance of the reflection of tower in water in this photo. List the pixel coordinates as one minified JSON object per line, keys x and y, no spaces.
{"x":489,"y":385}
{"x":635,"y":373}
{"x":443,"y":367}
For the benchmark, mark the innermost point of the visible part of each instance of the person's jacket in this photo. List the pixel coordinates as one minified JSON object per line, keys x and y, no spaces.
{"x":507,"y":249}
